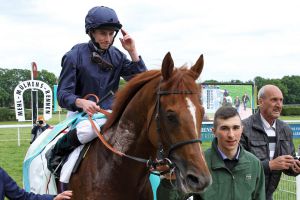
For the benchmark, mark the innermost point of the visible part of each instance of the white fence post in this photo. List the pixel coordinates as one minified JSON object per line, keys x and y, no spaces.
{"x":298,"y":187}
{"x":18,"y":126}
{"x":19,"y":142}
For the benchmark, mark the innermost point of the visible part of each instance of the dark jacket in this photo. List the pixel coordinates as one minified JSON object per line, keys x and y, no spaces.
{"x":245,"y":181}
{"x":255,"y":140}
{"x":37,"y":130}
{"x":9,"y":189}
{"x":81,"y":75}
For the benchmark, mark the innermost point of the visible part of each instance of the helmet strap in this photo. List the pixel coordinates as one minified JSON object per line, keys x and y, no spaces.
{"x":97,"y":46}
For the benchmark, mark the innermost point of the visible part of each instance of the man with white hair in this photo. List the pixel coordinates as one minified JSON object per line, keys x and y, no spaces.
{"x":270,"y":139}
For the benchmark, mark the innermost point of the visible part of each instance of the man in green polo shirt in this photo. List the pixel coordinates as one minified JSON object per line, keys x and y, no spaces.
{"x":236,"y":173}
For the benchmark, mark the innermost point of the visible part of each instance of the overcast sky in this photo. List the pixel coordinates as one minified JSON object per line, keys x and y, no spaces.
{"x":239,"y":39}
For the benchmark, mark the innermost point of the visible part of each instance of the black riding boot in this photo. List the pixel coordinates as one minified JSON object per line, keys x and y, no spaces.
{"x":63,"y":147}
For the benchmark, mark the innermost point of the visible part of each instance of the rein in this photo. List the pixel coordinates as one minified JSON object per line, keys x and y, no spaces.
{"x":149,"y":163}
{"x":152,"y":164}
{"x":100,"y":135}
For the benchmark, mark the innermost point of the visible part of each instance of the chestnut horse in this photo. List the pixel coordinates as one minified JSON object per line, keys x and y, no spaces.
{"x":156,"y":108}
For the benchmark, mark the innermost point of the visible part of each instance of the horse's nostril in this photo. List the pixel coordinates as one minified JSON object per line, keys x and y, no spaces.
{"x":198,"y":183}
{"x":192,"y":180}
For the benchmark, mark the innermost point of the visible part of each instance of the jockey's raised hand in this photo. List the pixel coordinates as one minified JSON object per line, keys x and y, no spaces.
{"x":88,"y":106}
{"x":129,"y":45}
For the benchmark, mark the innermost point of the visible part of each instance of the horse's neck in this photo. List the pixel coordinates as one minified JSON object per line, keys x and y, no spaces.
{"x":122,"y":136}
{"x":130,"y":134}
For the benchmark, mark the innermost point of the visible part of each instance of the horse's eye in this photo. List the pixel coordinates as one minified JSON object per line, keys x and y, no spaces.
{"x":172,"y":117}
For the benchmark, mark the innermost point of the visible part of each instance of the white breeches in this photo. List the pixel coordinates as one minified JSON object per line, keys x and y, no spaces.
{"x":85,"y":134}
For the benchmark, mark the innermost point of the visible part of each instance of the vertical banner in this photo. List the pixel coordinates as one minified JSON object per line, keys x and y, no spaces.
{"x":55,"y":102}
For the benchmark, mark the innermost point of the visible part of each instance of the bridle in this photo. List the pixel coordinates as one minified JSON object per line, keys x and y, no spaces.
{"x":162,"y":153}
{"x":164,"y":158}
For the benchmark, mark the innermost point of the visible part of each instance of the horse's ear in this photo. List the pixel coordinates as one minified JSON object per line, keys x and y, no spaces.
{"x":167,"y":66}
{"x":197,"y":68}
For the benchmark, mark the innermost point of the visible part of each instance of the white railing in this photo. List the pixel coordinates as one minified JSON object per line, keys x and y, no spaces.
{"x":18,"y":126}
{"x":287,"y":188}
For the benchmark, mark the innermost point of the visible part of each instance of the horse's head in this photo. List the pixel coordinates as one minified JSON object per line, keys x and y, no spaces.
{"x":179,"y":115}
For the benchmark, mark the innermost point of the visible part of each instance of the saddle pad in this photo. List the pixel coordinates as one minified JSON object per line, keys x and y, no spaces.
{"x":39,"y":145}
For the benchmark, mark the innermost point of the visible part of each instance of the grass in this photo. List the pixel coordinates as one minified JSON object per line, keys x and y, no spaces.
{"x":296,"y":117}
{"x":238,"y":90}
{"x":12,"y":155}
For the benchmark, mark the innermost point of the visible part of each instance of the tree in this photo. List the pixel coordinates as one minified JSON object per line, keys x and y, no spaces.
{"x":293,"y":86}
{"x":48,"y":78}
{"x":236,"y":82}
{"x":10,"y":78}
{"x":210,"y":81}
{"x":290,"y":87}
{"x":4,"y":95}
{"x":259,"y":82}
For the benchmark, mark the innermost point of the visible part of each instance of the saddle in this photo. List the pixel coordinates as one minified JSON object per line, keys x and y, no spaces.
{"x":55,"y":162}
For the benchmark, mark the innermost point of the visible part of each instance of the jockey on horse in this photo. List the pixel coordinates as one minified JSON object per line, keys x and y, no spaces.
{"x":94,"y":68}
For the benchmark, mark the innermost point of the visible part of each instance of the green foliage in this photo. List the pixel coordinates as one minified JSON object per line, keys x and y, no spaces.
{"x":292,"y":110}
{"x":210,"y":81}
{"x":289,"y":85}
{"x":7,"y":114}
{"x":10,"y":78}
{"x":293,"y":89}
{"x":122,"y":83}
{"x":236,"y":81}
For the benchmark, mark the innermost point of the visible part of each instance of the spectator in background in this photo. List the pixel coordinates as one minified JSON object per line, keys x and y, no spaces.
{"x":270,"y":139}
{"x":227,"y":101}
{"x":226,"y":93}
{"x":245,"y":99}
{"x":237,"y":103}
{"x":39,"y":127}
{"x":10,"y":189}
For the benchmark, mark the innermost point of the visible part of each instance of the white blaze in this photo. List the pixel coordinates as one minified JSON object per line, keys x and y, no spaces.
{"x":192,"y":108}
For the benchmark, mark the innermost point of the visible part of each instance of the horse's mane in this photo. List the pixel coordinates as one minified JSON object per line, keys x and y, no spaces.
{"x":124,"y":95}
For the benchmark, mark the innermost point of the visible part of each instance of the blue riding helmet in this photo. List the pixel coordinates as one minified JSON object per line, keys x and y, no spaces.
{"x":101,"y":16}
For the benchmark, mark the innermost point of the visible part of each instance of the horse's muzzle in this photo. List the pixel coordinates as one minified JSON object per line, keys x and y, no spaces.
{"x":197,"y":183}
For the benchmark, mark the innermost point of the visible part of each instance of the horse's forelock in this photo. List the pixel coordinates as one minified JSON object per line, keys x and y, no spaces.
{"x":182,"y":78}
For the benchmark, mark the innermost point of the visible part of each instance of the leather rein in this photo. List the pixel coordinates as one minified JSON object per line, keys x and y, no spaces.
{"x":164,"y":160}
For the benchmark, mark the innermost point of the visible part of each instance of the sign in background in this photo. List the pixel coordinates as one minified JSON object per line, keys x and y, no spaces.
{"x":36,"y":85}
{"x":217,"y":94}
{"x":207,"y":134}
{"x":296,"y":129}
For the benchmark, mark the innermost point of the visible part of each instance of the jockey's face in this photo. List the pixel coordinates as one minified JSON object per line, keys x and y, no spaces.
{"x":104,"y":37}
